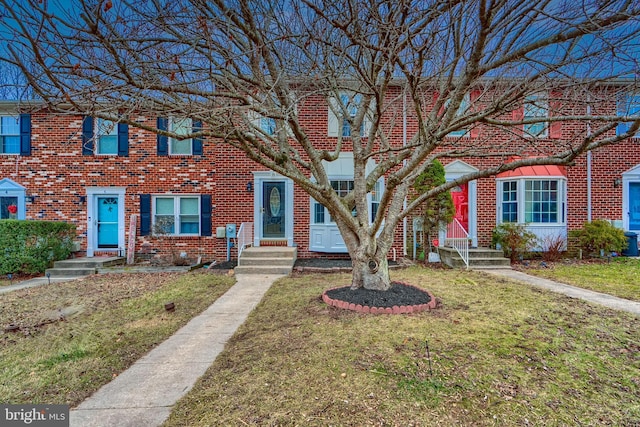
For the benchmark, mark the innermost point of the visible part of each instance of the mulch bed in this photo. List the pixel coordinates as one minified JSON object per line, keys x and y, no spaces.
{"x":401,"y":298}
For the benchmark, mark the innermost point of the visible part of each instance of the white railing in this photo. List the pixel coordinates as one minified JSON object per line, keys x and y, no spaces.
{"x":245,"y":237}
{"x":458,"y":238}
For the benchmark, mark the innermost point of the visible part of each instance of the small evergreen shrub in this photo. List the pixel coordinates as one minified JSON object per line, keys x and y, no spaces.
{"x":32,"y":246}
{"x":600,"y":236}
{"x":515,"y":239}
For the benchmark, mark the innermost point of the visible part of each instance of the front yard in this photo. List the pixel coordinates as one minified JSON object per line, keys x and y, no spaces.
{"x":618,"y":276}
{"x":61,"y":342}
{"x":494,"y":352}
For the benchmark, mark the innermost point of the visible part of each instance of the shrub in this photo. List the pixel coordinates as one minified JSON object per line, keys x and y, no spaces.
{"x":553,"y":247}
{"x":515,"y":239}
{"x":600,"y":236}
{"x":32,"y":246}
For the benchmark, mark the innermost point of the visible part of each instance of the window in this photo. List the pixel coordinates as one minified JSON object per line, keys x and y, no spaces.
{"x":342,"y":187}
{"x":628,"y":105}
{"x":536,"y":108}
{"x":180,"y":126}
{"x":539,"y":201}
{"x":462,"y":109}
{"x":176,"y":215}
{"x":349,"y":102}
{"x":509,"y":201}
{"x":10,"y":134}
{"x":176,"y":145}
{"x":8,"y":207}
{"x":106,"y":136}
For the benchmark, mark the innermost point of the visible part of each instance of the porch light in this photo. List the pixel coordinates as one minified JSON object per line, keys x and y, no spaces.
{"x":82,"y":199}
{"x":250,"y":187}
{"x":616,"y":183}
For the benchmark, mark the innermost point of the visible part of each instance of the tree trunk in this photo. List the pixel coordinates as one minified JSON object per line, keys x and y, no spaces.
{"x":371,"y":273}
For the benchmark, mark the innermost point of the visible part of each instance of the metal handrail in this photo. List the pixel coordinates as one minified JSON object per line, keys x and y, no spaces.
{"x":245,"y":237}
{"x":458,"y":238}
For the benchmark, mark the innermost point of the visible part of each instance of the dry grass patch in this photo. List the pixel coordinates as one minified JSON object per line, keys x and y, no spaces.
{"x":619,"y":277}
{"x":500,"y":353}
{"x":73,"y":337}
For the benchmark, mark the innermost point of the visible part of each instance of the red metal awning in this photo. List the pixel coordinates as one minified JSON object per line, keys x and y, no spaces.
{"x":537,"y":170}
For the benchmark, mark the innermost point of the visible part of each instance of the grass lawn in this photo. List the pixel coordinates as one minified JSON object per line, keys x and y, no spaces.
{"x":494,"y":353}
{"x":71,"y":338}
{"x":620,"y":277}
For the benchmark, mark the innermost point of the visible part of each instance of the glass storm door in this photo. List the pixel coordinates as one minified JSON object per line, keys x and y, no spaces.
{"x":273,"y":210}
{"x":634,"y":206}
{"x":107,"y":222}
{"x":460,"y":196}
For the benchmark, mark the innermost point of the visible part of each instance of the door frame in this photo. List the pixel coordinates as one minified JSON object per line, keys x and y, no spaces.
{"x":258,"y":179}
{"x":455,"y":170}
{"x":628,"y":177}
{"x":92,"y":211}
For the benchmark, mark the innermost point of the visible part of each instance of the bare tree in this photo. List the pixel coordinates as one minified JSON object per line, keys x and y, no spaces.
{"x":434,"y":68}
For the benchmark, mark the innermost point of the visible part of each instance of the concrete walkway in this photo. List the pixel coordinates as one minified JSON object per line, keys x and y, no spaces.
{"x":32,"y":283}
{"x":144,"y":394}
{"x":571,"y":291}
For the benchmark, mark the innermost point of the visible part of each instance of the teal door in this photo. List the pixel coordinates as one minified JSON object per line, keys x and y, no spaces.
{"x":634,"y":206}
{"x":107,"y":222}
{"x":273,"y":210}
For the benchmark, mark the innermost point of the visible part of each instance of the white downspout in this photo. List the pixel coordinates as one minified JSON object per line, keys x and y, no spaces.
{"x":589,"y":163}
{"x":404,"y":143}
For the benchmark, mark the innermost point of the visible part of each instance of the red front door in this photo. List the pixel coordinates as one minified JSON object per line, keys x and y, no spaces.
{"x":460,"y":196}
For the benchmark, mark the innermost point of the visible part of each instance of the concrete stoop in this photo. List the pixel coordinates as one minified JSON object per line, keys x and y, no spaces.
{"x":77,"y":267}
{"x":267,"y":260}
{"x":479,"y":258}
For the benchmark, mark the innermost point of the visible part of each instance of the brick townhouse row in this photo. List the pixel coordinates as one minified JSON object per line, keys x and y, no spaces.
{"x":182,"y":194}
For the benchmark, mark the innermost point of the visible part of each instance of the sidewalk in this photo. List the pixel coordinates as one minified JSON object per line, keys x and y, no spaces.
{"x":571,"y":291}
{"x":144,"y":394}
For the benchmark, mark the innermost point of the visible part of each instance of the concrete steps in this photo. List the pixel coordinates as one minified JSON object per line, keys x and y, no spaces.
{"x":77,"y":267}
{"x":266,"y":260}
{"x":479,"y":258}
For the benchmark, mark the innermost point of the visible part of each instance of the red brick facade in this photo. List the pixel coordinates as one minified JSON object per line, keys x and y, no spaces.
{"x":56,"y":177}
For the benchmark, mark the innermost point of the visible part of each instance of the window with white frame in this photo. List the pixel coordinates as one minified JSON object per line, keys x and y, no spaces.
{"x":342,"y":113}
{"x":462,"y":109}
{"x":180,"y":126}
{"x":176,"y":215}
{"x":106,"y":136}
{"x":537,"y":201}
{"x":628,"y":104}
{"x":10,"y":134}
{"x":343,"y":187}
{"x":536,"y":107}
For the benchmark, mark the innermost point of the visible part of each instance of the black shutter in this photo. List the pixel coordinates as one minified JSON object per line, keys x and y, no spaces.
{"x":163,"y":141}
{"x":25,"y":134}
{"x":197,"y":142}
{"x":87,"y":136}
{"x":123,"y":139}
{"x":145,"y":214}
{"x":205,"y":215}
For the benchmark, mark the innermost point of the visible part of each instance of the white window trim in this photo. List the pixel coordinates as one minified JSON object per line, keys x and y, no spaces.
{"x":627,"y":99}
{"x":97,"y":135}
{"x":520,"y":199}
{"x":462,"y":109}
{"x":541,"y":101}
{"x":2,"y":135}
{"x":334,"y":123}
{"x":171,"y":140}
{"x":176,"y":213}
